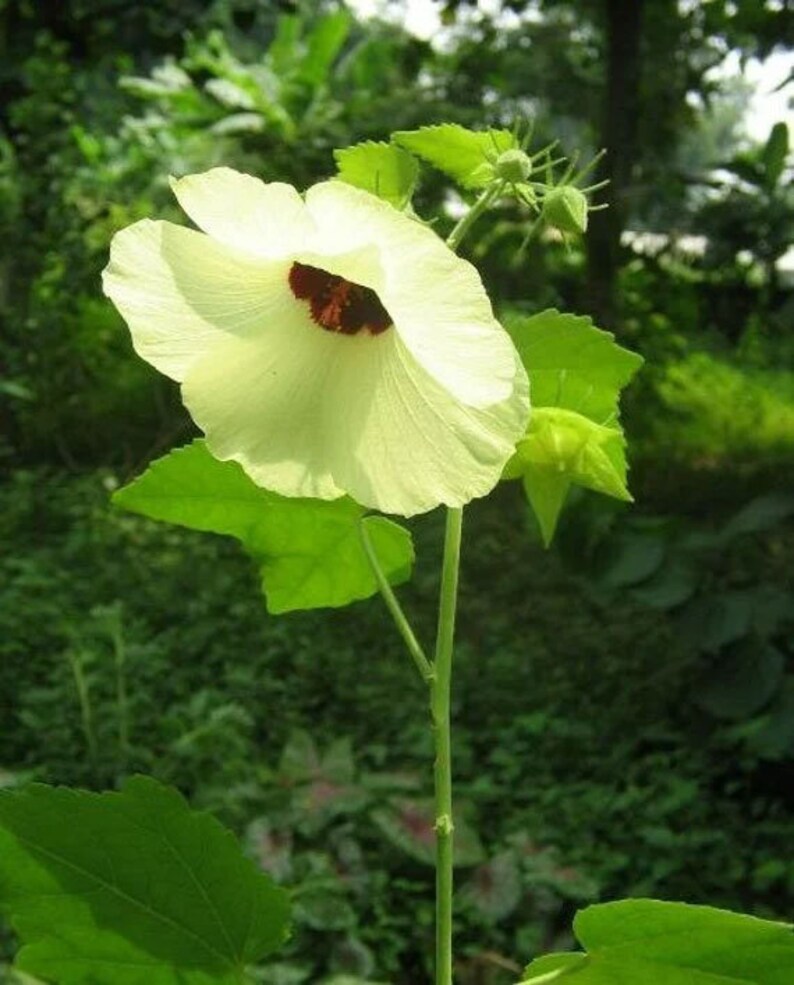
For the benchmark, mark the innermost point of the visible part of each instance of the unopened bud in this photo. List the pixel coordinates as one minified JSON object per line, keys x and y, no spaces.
{"x":513,"y":165}
{"x":565,"y":208}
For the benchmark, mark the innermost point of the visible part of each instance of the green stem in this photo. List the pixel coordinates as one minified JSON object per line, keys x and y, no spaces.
{"x":467,"y":221}
{"x":122,"y":703}
{"x":440,"y":708}
{"x":84,"y":701}
{"x":440,"y":685}
{"x":413,"y":645}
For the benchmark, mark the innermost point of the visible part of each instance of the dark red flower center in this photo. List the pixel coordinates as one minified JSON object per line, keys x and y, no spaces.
{"x":336,"y":304}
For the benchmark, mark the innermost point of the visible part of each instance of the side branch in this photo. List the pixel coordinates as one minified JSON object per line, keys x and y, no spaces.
{"x":413,"y":645}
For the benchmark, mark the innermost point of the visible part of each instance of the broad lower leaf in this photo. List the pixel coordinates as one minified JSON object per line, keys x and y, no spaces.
{"x":636,"y":942}
{"x":382,"y":169}
{"x":465,"y":155}
{"x":574,"y":437}
{"x":131,"y":888}
{"x":309,"y":551}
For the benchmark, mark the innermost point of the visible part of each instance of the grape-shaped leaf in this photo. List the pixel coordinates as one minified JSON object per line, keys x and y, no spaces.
{"x":636,"y":942}
{"x":573,"y":364}
{"x":382,"y":169}
{"x":309,"y":551}
{"x":465,"y":155}
{"x":131,"y":888}
{"x":576,"y":373}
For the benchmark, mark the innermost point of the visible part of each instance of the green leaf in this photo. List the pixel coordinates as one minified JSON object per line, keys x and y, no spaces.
{"x":773,"y":736}
{"x":572,"y":364}
{"x":465,"y":155}
{"x":775,"y":153}
{"x":324,"y":44}
{"x":760,"y":514}
{"x":131,"y":887}
{"x":574,"y":437}
{"x":670,"y":586}
{"x":495,"y":888}
{"x":630,"y":558}
{"x":743,"y":682}
{"x":322,"y":909}
{"x":638,"y":942}
{"x":309,"y":551}
{"x":550,"y":967}
{"x":382,"y":169}
{"x":546,"y":491}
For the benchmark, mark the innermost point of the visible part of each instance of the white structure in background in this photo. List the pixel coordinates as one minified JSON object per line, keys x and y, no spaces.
{"x":693,"y":248}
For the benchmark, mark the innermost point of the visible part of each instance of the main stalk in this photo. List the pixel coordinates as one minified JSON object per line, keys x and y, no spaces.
{"x":440,"y":708}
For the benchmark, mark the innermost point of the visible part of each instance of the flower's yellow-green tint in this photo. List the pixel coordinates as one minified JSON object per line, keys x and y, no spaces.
{"x":424,"y":408}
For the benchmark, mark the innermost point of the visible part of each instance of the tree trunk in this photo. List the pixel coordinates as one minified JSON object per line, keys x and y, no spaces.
{"x":623,"y":29}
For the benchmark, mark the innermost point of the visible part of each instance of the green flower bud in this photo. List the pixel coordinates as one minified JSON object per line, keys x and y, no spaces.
{"x":566,"y":209}
{"x":513,"y":165}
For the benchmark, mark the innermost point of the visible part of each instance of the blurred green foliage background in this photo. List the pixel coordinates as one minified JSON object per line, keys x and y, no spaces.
{"x":624,"y":703}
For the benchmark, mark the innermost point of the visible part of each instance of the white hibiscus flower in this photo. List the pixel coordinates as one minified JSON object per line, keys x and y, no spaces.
{"x":330,"y":344}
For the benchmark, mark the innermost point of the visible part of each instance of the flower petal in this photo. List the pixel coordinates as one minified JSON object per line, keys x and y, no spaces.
{"x":260,"y":402}
{"x":180,"y":291}
{"x":266,"y":219}
{"x":402,"y":443}
{"x":436,"y":299}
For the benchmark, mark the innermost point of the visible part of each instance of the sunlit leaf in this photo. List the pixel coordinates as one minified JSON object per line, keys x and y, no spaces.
{"x":574,"y":437}
{"x":309,"y":551}
{"x":572,"y":364}
{"x":132,"y":888}
{"x":465,"y":155}
{"x":639,"y":942}
{"x":323,"y":44}
{"x":382,"y":169}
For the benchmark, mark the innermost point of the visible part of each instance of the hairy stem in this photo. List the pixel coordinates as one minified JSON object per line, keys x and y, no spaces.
{"x":465,"y":223}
